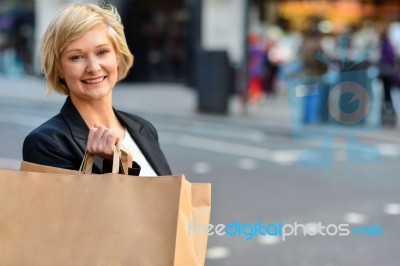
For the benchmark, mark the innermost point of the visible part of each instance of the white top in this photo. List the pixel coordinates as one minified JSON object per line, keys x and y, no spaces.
{"x":129,"y":144}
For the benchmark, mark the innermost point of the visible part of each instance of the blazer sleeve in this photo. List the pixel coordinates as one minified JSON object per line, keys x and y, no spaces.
{"x":52,"y":144}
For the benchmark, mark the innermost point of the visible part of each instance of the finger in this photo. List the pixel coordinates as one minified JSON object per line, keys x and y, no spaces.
{"x":111,"y":139}
{"x":89,"y":144}
{"x":108,"y":143}
{"x":99,"y":134}
{"x":104,"y":145}
{"x":94,"y":140}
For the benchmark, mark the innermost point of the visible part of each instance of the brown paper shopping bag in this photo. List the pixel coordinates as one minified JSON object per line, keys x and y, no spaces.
{"x":68,"y":218}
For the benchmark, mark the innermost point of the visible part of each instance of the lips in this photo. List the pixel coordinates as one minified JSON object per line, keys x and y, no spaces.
{"x":94,"y":81}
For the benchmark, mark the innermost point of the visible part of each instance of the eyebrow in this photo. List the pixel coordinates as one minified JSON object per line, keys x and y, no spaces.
{"x":80,"y":50}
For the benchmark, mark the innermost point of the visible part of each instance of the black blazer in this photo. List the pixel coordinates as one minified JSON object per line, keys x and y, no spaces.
{"x":61,"y":141}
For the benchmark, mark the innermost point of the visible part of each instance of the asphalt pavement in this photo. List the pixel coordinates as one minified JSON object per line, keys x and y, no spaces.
{"x":273,"y":115}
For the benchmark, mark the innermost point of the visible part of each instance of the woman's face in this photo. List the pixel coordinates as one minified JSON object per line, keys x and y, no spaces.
{"x":89,"y":66}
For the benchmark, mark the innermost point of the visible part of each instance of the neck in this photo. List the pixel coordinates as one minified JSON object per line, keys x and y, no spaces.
{"x":99,"y":112}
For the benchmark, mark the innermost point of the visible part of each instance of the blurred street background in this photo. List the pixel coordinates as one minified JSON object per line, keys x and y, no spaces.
{"x":289,"y":109}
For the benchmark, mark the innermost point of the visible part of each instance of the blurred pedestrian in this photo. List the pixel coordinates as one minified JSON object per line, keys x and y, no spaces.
{"x":256,"y":68}
{"x":387,"y":74}
{"x":282,"y":46}
{"x":316,"y":109}
{"x":84,"y":53}
{"x":271,"y":67}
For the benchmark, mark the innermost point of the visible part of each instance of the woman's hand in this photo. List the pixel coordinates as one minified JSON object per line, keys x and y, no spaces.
{"x":101,"y":142}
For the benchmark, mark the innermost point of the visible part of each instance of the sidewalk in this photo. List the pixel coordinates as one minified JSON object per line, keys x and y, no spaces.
{"x":180,"y":101}
{"x":271,"y":116}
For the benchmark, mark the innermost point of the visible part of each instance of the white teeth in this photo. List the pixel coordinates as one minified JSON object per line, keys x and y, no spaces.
{"x":91,"y":81}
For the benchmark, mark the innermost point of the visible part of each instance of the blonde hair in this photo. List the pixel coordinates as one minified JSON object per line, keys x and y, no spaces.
{"x":71,"y":23}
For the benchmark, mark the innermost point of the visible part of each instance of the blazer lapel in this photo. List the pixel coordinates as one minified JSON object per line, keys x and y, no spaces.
{"x":79,"y":129}
{"x":150,"y":150}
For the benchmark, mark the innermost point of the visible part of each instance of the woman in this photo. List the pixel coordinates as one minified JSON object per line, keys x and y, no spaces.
{"x":84,"y":53}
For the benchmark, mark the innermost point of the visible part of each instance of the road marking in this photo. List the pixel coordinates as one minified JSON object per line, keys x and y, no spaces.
{"x":268,"y":240}
{"x":312,"y":227}
{"x":389,"y":150}
{"x":218,"y":252}
{"x":9,"y":164}
{"x":247,"y":164}
{"x":392,"y":209}
{"x":281,"y":157}
{"x":201,"y":168}
{"x":355,"y":218}
{"x":218,"y":131}
{"x":286,"y":157}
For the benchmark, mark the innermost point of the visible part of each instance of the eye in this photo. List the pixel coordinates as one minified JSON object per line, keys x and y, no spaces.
{"x":103,"y":52}
{"x":76,"y":57}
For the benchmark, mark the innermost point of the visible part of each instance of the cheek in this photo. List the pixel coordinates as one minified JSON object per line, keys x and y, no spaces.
{"x":113,"y":66}
{"x":71,"y":72}
{"x":115,"y":61}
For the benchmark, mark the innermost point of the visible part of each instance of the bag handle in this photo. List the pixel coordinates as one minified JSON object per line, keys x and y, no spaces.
{"x":120,"y":158}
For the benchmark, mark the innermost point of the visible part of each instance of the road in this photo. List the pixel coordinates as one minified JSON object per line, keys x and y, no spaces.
{"x":265,"y":176}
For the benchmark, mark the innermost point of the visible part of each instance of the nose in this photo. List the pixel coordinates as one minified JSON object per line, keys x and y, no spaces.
{"x":92,"y":65}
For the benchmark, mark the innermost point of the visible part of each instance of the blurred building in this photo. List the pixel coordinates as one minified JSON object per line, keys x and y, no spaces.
{"x":167,"y":36}
{"x":158,"y":37}
{"x":16,"y":37}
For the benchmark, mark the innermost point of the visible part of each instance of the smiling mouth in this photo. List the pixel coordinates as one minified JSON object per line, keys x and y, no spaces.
{"x":94,"y":81}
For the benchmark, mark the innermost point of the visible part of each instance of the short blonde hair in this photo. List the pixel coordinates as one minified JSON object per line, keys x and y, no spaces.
{"x":71,"y":23}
